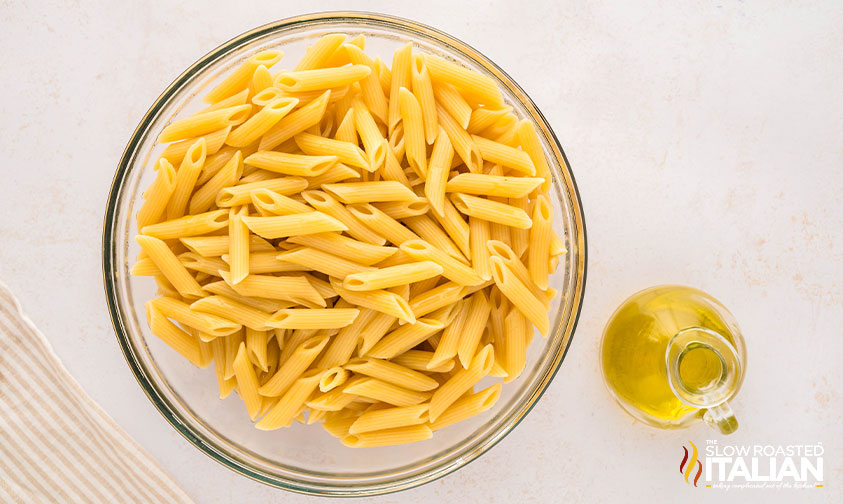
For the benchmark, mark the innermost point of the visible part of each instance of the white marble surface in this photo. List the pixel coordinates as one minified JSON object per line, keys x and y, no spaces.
{"x":706,"y":140}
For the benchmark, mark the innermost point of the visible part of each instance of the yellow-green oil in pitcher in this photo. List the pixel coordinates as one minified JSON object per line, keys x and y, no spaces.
{"x":671,"y":354}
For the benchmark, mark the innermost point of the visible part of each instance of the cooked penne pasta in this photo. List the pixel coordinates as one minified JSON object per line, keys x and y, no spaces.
{"x":492,"y":185}
{"x":367,"y":192}
{"x":474,"y":84}
{"x":170,"y":266}
{"x":157,"y":195}
{"x":491,"y":211}
{"x":282,"y":226}
{"x":414,"y":133}
{"x":467,"y":407}
{"x":313,"y":318}
{"x":461,"y":382}
{"x":405,"y":338}
{"x":383,"y":234}
{"x":323,"y":262}
{"x":379,"y":390}
{"x":392,"y":373}
{"x":296,"y":122}
{"x":384,"y":278}
{"x":380,"y":300}
{"x":519,"y":295}
{"x":320,"y":78}
{"x":180,"y":341}
{"x":293,"y":367}
{"x":291,"y":164}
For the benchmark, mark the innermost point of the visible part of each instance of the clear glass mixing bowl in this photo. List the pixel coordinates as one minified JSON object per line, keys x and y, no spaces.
{"x":305,"y":458}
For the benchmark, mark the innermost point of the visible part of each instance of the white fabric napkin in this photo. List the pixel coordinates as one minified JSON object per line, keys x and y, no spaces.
{"x":56,"y":443}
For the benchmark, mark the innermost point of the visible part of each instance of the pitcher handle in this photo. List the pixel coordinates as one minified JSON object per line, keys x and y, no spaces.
{"x":712,"y":398}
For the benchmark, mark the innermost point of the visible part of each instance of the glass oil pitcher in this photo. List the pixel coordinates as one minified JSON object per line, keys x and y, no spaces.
{"x":672,"y":355}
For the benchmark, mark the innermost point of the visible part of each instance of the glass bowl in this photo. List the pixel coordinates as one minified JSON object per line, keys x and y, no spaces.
{"x":304,"y":458}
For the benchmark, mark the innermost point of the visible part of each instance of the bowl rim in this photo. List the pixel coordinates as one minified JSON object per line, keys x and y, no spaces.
{"x":465,"y":51}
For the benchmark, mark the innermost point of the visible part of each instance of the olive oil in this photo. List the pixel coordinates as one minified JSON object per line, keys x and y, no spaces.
{"x":634,"y":353}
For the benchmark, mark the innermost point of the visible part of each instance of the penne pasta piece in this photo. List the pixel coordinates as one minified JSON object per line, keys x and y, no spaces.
{"x":291,"y":164}
{"x":319,"y":53}
{"x":453,"y":224}
{"x":528,"y":138}
{"x":467,"y":407}
{"x":429,"y":231}
{"x":238,"y":240}
{"x":257,"y":125}
{"x":297,"y":224}
{"x":384,"y":278}
{"x":240,"y":98}
{"x":240,"y":77}
{"x":443,"y":295}
{"x":320,"y":78}
{"x":461,"y":141}
{"x":346,"y":152}
{"x":183,"y":314}
{"x":189,"y":225}
{"x":145,"y":267}
{"x":333,"y":378}
{"x":383,"y":301}
{"x":261,"y":80}
{"x":326,"y":203}
{"x":557,"y":245}
{"x":449,"y":344}
{"x":391,"y":372}
{"x":288,"y":407}
{"x":423,"y":91}
{"x":452,"y":269}
{"x":296,"y":122}
{"x":202,"y":124}
{"x":337,"y":173}
{"x":263,"y":304}
{"x":519,"y":237}
{"x":437,"y":176}
{"x":323,"y":262}
{"x":313,"y":318}
{"x":391,"y":169}
{"x":453,"y":102}
{"x":367,"y":192}
{"x":519,"y":295}
{"x":293,"y":367}
{"x":511,"y":260}
{"x":492,"y":185}
{"x":242,"y":194}
{"x":539,"y":247}
{"x":336,"y":399}
{"x":286,"y":288}
{"x":491,"y":211}
{"x":389,"y":418}
{"x":483,"y":118}
{"x":373,"y":141}
{"x":218,"y":350}
{"x":405,"y":337}
{"x":170,"y":266}
{"x":370,"y":86}
{"x":515,"y":344}
{"x":403,"y":209}
{"x":505,"y":155}
{"x":347,"y":129}
{"x":384,"y":75}
{"x":270,"y":203}
{"x":186,"y":177}
{"x":208,"y":265}
{"x":401,"y":77}
{"x":472,"y":329}
{"x":180,"y":341}
{"x":373,"y":388}
{"x":381,"y":223}
{"x":256,"y":345}
{"x":268,"y":262}
{"x":414,"y":133}
{"x":157,"y":195}
{"x":247,"y":382}
{"x":420,"y":359}
{"x":479,"y":87}
{"x":461,"y":382}
{"x":388,"y":437}
{"x":227,"y":176}
{"x":342,"y":347}
{"x":348,"y":248}
{"x":235,"y":311}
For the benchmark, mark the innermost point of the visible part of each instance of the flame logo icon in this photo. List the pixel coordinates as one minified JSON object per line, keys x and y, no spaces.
{"x":686,"y":467}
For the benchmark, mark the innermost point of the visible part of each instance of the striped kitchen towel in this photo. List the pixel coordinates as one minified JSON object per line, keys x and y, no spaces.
{"x":56,"y":443}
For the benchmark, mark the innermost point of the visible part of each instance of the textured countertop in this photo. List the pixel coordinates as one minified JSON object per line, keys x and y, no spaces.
{"x":706,"y":142}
